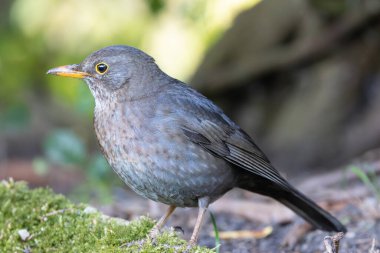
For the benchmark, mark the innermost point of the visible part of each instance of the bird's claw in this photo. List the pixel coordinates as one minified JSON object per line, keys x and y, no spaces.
{"x":154,"y":233}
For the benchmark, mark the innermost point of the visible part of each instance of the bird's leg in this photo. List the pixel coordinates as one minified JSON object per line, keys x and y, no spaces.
{"x":156,"y":229}
{"x":203,"y":205}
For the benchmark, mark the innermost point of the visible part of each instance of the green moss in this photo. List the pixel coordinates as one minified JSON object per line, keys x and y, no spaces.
{"x":54,"y":224}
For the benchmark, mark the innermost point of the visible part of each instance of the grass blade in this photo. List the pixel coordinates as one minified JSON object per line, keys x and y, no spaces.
{"x":216,"y":232}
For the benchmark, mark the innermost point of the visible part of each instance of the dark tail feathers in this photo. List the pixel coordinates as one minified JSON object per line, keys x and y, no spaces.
{"x":305,"y":208}
{"x":311,"y":212}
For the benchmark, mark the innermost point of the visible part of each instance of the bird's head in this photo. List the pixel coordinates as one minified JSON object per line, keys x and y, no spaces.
{"x":114,"y":70}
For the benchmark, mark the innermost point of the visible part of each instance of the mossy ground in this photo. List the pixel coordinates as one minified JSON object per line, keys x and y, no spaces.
{"x":55,"y":224}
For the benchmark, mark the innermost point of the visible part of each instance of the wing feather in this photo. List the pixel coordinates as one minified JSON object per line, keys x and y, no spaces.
{"x":251,"y":159}
{"x":205,"y":124}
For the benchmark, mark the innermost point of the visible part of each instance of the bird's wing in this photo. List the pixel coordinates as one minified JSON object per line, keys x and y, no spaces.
{"x":234,"y":147}
{"x":205,"y":124}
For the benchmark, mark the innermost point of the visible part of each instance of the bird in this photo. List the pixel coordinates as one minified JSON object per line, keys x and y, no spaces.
{"x":171,"y":144}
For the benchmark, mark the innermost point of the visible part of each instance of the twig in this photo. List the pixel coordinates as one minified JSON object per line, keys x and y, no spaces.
{"x":332,"y":242}
{"x":373,"y":245}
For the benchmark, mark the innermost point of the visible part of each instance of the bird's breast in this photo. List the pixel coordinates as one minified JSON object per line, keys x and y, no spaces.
{"x":118,"y":132}
{"x":157,"y":161}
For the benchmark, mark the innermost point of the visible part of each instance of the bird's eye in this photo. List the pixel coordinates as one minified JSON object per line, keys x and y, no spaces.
{"x":101,"y":68}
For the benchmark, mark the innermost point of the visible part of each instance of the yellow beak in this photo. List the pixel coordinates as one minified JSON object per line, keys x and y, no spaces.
{"x":68,"y":71}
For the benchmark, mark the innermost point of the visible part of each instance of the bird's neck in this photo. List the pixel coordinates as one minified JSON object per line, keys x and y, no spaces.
{"x":144,"y":86}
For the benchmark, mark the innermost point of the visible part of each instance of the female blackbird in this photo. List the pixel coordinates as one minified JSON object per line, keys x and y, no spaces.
{"x":171,"y":144}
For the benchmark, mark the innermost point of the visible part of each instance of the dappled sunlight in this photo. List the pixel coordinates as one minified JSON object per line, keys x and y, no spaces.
{"x":79,"y":25}
{"x":176,"y":47}
{"x":177,"y":37}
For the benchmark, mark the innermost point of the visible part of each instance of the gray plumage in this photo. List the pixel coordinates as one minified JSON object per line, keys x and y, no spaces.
{"x":171,"y":144}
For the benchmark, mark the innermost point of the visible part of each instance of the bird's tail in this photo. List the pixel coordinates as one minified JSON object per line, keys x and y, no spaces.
{"x":302,"y":206}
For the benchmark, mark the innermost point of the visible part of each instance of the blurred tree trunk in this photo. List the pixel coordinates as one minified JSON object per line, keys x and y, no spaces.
{"x":303,"y":78}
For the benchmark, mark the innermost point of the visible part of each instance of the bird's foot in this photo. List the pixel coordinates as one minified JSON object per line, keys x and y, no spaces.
{"x":192,"y":243}
{"x":154,"y":233}
{"x":189,"y":247}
